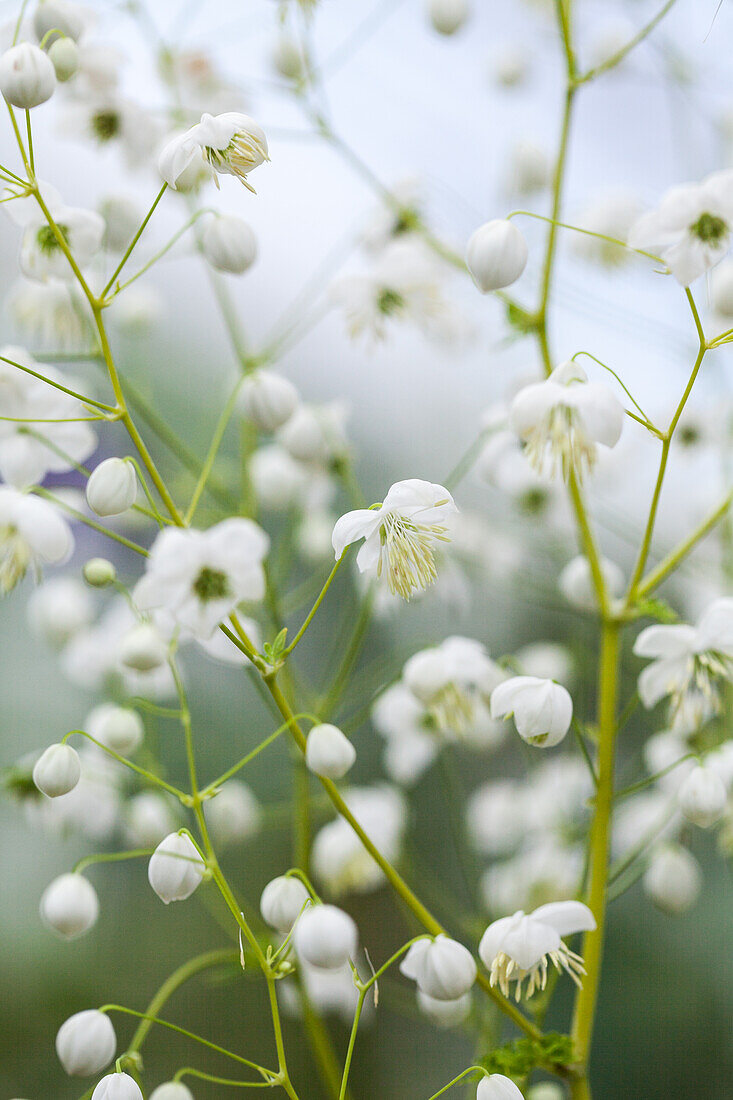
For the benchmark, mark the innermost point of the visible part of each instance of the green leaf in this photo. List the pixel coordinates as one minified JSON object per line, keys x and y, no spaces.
{"x":521,"y":320}
{"x":518,"y":1059}
{"x":655,"y":608}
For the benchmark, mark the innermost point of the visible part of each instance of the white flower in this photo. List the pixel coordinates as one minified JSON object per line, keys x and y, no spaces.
{"x":673,"y":879}
{"x":122,"y":218}
{"x":24,"y":459}
{"x":148,"y":819}
{"x":61,"y":16}
{"x":448,"y":16}
{"x":27,"y":76}
{"x":325,"y":936}
{"x":92,"y":807}
{"x":340,"y":860}
{"x":59,"y":608}
{"x":41,"y":255}
{"x":49,"y":313}
{"x":118,"y":728}
{"x":277,"y":479}
{"x":86,"y":1043}
{"x":232,"y":143}
{"x":721,"y":289}
{"x":289,"y":57}
{"x":518,"y":947}
{"x":542,"y":710}
{"x":57,"y":770}
{"x":328,"y":752}
{"x":443,"y":968}
{"x":143,"y":649}
{"x":411,"y":746}
{"x":229,"y":244}
{"x":108,"y":118}
{"x":444,"y":1013}
{"x":172,"y":1090}
{"x":268,"y":399}
{"x":199,"y":577}
{"x":234,"y":813}
{"x":693,"y":225}
{"x":548,"y":660}
{"x":702,"y":796}
{"x":611,"y":214}
{"x":546,"y":1090}
{"x":282,"y":902}
{"x":315,"y":433}
{"x":687,"y":659}
{"x":400,"y":534}
{"x":529,"y":168}
{"x":497,"y":1087}
{"x":112,"y":487}
{"x":496,"y":255}
{"x":117,"y":1086}
{"x":175,"y":868}
{"x":563,"y":418}
{"x":576,"y":582}
{"x":70,"y":905}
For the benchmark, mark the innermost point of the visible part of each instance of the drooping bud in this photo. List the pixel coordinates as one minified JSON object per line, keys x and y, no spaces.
{"x":117,"y":1086}
{"x":282,"y":902}
{"x":171,"y":1090}
{"x":443,"y":968}
{"x":542,"y":709}
{"x":86,"y":1043}
{"x":268,"y":399}
{"x":702,"y":796}
{"x":112,"y":487}
{"x":57,"y":771}
{"x":326,"y":937}
{"x":27,"y":77}
{"x":64,"y":55}
{"x":175,"y":868}
{"x":118,"y":728}
{"x":673,"y":879}
{"x":234,"y":813}
{"x":143,"y":649}
{"x":99,"y":572}
{"x":329,"y":753}
{"x":496,"y":255}
{"x":448,"y":16}
{"x":229,"y":244}
{"x":497,"y":1087}
{"x":70,"y":906}
{"x":60,"y":16}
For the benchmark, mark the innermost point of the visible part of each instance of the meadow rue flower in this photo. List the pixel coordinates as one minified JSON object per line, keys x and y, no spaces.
{"x":277,"y":479}
{"x":315,"y":433}
{"x":289,"y":58}
{"x":687,"y":659}
{"x":234,"y":814}
{"x":400,"y":534}
{"x":60,"y":16}
{"x":496,"y":255}
{"x":563,"y":418}
{"x":232,"y":143}
{"x":497,"y":1087}
{"x":59,"y":608}
{"x":673,"y":879}
{"x":229,"y":244}
{"x":57,"y":770}
{"x":41,"y":254}
{"x":86,"y":1043}
{"x":99,"y":572}
{"x":444,"y":1013}
{"x":328,"y":752}
{"x":692,"y":224}
{"x":282,"y":902}
{"x":702,"y":796}
{"x":142,"y":648}
{"x":48,"y":313}
{"x":27,"y":76}
{"x":443,"y":968}
{"x":175,"y":868}
{"x":64,"y":56}
{"x":117,"y":1086}
{"x":118,"y":728}
{"x":268,"y":399}
{"x":448,"y":16}
{"x":511,"y":65}
{"x":576,"y":582}
{"x":172,"y":1090}
{"x":610,"y":214}
{"x":112,"y":487}
{"x":122,"y":218}
{"x":518,"y":947}
{"x":325,"y":936}
{"x":199,"y":577}
{"x":108,"y":118}
{"x":542,"y":710}
{"x":148,"y":819}
{"x":529,"y":168}
{"x":70,"y":906}
{"x":340,"y":860}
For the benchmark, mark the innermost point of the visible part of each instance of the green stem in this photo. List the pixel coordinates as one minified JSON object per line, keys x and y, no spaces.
{"x":673,"y":559}
{"x":319,"y":599}
{"x":133,"y":242}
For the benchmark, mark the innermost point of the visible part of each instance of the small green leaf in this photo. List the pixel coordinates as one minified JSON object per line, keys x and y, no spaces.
{"x":519,"y":1058}
{"x":655,"y":608}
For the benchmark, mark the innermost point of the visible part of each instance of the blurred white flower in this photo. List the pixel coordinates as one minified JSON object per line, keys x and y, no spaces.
{"x":59,"y":608}
{"x":702,"y":796}
{"x":41,"y":255}
{"x":229,"y":244}
{"x":32,"y":533}
{"x":339,"y":858}
{"x":234,"y":814}
{"x":448,"y":16}
{"x":69,"y":905}
{"x":282,"y":902}
{"x":611,"y":214}
{"x":576,"y":582}
{"x":118,"y":728}
{"x":529,"y":168}
{"x":496,"y":255}
{"x":673,"y":879}
{"x":325,"y":937}
{"x":268,"y":399}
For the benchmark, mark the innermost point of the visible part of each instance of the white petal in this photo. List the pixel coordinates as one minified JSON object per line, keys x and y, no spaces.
{"x":354,"y":526}
{"x":566,"y":917}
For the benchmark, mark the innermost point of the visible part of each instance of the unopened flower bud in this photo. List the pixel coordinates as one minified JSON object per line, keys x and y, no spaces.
{"x":148,"y":820}
{"x":497,"y":1087}
{"x":172,"y":1090}
{"x":325,"y":936}
{"x":118,"y":728}
{"x":234,"y":813}
{"x":288,"y":58}
{"x":496,"y":255}
{"x":329,"y":753}
{"x":57,"y":771}
{"x":277,"y":479}
{"x":282,"y":902}
{"x":143,"y":649}
{"x":99,"y":572}
{"x":69,"y":905}
{"x":26,"y":76}
{"x":702,"y":796}
{"x":443,"y":968}
{"x":229,"y":244}
{"x":577,"y":586}
{"x":59,"y":608}
{"x":112,"y":487}
{"x":58,"y":15}
{"x":86,"y":1043}
{"x":542,"y":710}
{"x":64,"y":55}
{"x":175,"y":868}
{"x":268,"y":399}
{"x":448,"y":16}
{"x":117,"y":1086}
{"x":673,"y":879}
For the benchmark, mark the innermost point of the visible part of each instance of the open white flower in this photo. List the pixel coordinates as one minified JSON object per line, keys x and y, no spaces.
{"x":562,"y":419}
{"x":542,"y":709}
{"x":687,"y":659}
{"x":32,"y":534}
{"x":400,"y":534}
{"x":232,"y":143}
{"x":692,"y":224}
{"x":443,"y":968}
{"x":518,"y":947}
{"x":41,"y":255}
{"x":201,"y":576}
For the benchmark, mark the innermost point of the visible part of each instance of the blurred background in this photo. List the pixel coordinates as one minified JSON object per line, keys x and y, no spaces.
{"x":471,"y":121}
